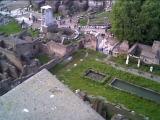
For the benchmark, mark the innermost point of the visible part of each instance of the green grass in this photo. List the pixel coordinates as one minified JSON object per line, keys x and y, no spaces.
{"x":102,"y":15}
{"x":58,"y":67}
{"x":56,"y":15}
{"x":121,"y":59}
{"x":83,"y":22}
{"x":76,"y":56}
{"x":73,"y":41}
{"x":11,"y":28}
{"x":34,"y":33}
{"x":100,"y":18}
{"x":91,"y":53}
{"x":36,"y":9}
{"x":43,"y":59}
{"x":67,"y":42}
{"x":75,"y":80}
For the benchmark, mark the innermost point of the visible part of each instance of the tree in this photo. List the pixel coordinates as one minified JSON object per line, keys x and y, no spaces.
{"x":136,"y":20}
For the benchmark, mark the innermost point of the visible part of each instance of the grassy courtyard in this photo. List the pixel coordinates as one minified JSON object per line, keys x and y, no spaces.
{"x":74,"y":78}
{"x":43,"y":59}
{"x":11,"y":28}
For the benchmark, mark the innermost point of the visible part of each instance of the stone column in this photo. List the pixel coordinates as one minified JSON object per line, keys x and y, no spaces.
{"x":127,"y":61}
{"x":138,"y":65}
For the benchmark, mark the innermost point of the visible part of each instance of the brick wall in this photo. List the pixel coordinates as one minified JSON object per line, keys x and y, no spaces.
{"x":53,"y":48}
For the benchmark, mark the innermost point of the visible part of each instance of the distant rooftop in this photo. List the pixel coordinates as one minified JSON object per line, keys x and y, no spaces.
{"x":44,"y":97}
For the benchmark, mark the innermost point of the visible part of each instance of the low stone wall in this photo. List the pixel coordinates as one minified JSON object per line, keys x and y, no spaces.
{"x":50,"y":64}
{"x":20,"y":36}
{"x":133,"y":49}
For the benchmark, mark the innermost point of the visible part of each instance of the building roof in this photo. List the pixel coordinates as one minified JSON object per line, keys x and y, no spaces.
{"x":44,"y":97}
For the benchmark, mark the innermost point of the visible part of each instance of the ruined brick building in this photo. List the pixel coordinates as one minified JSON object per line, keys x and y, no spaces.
{"x":16,"y":62}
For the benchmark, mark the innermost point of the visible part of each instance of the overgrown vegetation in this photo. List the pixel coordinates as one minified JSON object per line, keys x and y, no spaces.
{"x":43,"y":59}
{"x":34,"y":33}
{"x":75,"y":79}
{"x":11,"y":28}
{"x":83,"y":21}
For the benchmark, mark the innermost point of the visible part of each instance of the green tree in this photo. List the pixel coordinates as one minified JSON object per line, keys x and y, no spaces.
{"x":136,"y":20}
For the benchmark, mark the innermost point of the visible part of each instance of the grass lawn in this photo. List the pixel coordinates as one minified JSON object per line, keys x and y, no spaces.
{"x":75,"y":80}
{"x":100,"y":18}
{"x":34,"y":33}
{"x":120,"y":60}
{"x":76,"y":56}
{"x":11,"y":28}
{"x":83,"y":22}
{"x":43,"y":59}
{"x":56,"y":15}
{"x":102,"y":15}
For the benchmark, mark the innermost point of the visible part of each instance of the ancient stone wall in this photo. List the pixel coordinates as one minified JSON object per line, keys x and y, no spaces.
{"x":32,"y":69}
{"x":53,"y":48}
{"x":142,"y":47}
{"x":20,"y":36}
{"x":12,"y":58}
{"x":54,"y":4}
{"x":133,"y":49}
{"x":156,"y":46}
{"x":93,"y":41}
{"x":124,"y":46}
{"x":149,"y":60}
{"x":6,"y":45}
{"x":50,"y":64}
{"x":38,"y":3}
{"x":13,"y":71}
{"x":1,"y":43}
{"x":10,"y":69}
{"x":27,"y":49}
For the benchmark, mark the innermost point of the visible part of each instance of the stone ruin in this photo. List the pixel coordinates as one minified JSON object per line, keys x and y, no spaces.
{"x":63,"y":7}
{"x":16,"y":62}
{"x":4,"y":20}
{"x":17,"y":54}
{"x":148,"y":54}
{"x":61,"y":35}
{"x":121,"y":48}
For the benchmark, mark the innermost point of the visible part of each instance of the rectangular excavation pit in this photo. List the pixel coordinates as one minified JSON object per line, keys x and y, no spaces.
{"x":97,"y":76}
{"x":134,"y":89}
